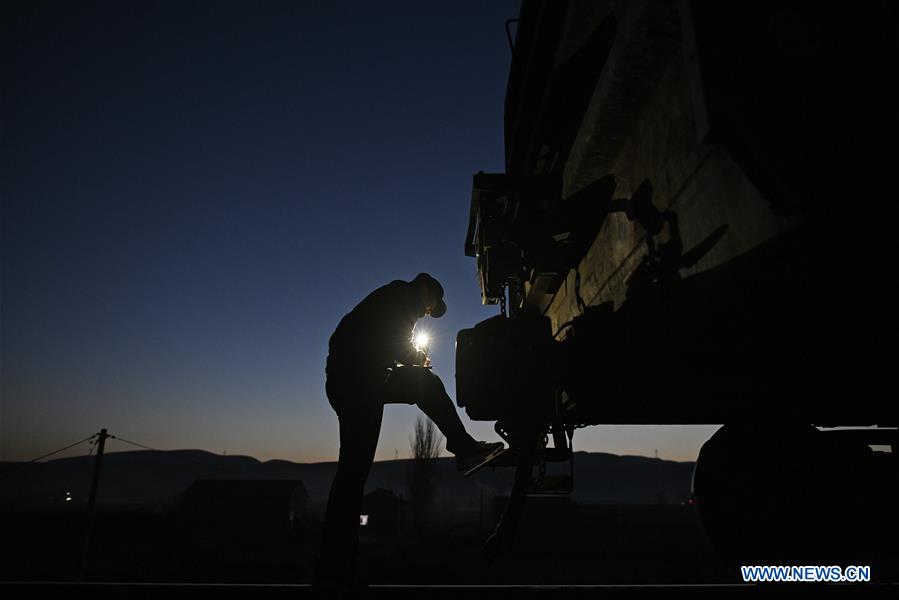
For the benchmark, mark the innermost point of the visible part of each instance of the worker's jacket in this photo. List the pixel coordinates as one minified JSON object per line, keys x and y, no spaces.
{"x":375,"y":335}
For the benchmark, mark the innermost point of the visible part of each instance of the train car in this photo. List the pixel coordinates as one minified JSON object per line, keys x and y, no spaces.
{"x":695,"y":225}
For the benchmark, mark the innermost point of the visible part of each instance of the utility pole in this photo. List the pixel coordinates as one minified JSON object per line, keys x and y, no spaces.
{"x":92,"y":501}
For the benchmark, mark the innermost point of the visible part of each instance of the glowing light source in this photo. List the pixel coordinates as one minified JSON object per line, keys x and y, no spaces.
{"x":421,"y":341}
{"x":363,"y":520}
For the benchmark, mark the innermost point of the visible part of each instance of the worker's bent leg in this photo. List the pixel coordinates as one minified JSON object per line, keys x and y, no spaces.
{"x":413,"y":385}
{"x":360,"y":427}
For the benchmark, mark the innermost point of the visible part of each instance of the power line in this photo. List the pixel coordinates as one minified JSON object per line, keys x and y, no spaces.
{"x":16,"y":467}
{"x":193,"y":460}
{"x":61,"y":449}
{"x":134,"y":443}
{"x":21,"y":465}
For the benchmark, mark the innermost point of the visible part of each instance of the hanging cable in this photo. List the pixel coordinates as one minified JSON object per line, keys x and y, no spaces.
{"x":197,"y":462}
{"x":34,"y":460}
{"x":134,"y":443}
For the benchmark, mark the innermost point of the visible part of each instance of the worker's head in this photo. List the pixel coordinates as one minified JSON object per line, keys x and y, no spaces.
{"x":430,"y":295}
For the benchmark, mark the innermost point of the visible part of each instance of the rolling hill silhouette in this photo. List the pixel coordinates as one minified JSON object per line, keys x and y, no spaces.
{"x":157,"y":478}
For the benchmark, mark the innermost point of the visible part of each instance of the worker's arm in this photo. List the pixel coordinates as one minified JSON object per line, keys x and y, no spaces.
{"x":378,"y":332}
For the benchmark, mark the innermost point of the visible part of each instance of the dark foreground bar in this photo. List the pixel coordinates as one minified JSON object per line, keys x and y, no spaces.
{"x":157,"y":590}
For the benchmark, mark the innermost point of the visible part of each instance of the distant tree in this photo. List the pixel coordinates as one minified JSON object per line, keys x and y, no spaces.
{"x":421,"y":477}
{"x":426,"y":441}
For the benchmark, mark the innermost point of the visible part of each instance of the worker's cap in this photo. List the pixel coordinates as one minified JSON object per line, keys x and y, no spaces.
{"x":440,"y":309}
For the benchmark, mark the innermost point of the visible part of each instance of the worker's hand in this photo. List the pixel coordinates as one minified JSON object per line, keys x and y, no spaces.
{"x":427,"y":362}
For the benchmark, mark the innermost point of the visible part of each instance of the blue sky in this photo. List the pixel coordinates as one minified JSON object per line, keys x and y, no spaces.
{"x":194,"y":193}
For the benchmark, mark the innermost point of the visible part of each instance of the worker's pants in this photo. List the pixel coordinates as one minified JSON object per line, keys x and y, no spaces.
{"x":360,"y":406}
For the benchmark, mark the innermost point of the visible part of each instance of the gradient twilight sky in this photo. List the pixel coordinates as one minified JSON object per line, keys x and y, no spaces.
{"x":194,"y":193}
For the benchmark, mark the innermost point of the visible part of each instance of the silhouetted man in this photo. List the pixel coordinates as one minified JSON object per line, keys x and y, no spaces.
{"x":371,"y":362}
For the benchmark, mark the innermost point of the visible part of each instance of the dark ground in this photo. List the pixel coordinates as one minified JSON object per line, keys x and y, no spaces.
{"x":627,"y":544}
{"x":575,"y":546}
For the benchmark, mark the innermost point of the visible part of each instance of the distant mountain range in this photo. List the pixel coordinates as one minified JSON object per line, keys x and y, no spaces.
{"x":157,"y":478}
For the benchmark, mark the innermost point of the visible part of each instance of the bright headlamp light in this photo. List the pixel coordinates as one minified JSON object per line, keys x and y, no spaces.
{"x":420,"y":341}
